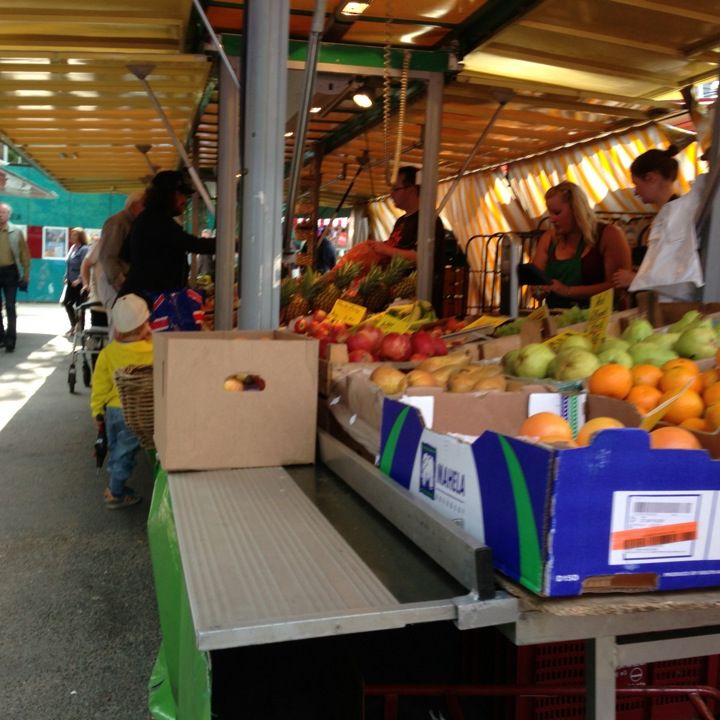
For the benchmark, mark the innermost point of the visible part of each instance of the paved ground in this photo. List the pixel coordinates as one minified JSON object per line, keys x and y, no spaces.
{"x":79,"y":623}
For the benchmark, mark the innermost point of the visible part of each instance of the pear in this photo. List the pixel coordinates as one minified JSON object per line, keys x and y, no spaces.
{"x":439,"y":361}
{"x":443,"y":374}
{"x":612,"y":343}
{"x":665,"y":340}
{"x":576,"y":364}
{"x":533,"y":360}
{"x":615,"y":355}
{"x":697,"y":343}
{"x":509,"y":360}
{"x":637,"y":331}
{"x":389,"y":379}
{"x":495,"y":382}
{"x":576,"y":341}
{"x":461,"y":382}
{"x":420,"y":378}
{"x":685,"y":321}
{"x":649,"y":353}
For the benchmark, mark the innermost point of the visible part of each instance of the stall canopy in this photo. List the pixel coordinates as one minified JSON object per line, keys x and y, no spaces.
{"x":75,"y":105}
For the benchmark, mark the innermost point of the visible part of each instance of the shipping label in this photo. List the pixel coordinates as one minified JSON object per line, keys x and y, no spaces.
{"x":664,"y":526}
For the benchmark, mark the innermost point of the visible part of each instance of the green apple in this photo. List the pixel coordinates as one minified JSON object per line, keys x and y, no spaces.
{"x":533,"y":360}
{"x":637,"y":330}
{"x":576,"y":364}
{"x":615,"y":355}
{"x":697,"y":343}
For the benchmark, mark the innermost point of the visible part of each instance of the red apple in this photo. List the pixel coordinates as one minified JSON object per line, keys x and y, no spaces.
{"x":440,"y":348}
{"x":396,"y":347}
{"x":375,"y":333}
{"x":342,"y":335}
{"x":302,"y":325}
{"x":361,"y":356}
{"x":423,"y":343}
{"x":319,"y":315}
{"x":418,"y":357}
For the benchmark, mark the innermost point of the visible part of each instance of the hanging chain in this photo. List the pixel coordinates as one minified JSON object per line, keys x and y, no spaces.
{"x":387,"y":63}
{"x":401,"y":110}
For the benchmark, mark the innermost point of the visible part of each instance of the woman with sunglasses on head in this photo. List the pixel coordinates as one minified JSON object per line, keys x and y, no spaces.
{"x":579,"y":254}
{"x":671,"y":265}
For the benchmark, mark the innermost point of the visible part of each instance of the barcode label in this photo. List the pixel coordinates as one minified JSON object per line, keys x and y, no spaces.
{"x":663,"y":539}
{"x":662,"y":507}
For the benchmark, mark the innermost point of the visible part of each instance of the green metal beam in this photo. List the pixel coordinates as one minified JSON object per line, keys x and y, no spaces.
{"x":353,"y":55}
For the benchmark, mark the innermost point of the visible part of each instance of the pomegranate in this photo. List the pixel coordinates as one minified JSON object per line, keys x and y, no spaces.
{"x":396,"y":346}
{"x":439,"y":346}
{"x":360,"y":341}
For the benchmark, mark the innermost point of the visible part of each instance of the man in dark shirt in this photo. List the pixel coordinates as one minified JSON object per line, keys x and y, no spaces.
{"x":405,"y":193}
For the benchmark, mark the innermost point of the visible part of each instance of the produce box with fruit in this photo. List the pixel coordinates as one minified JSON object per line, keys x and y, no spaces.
{"x":569,"y":502}
{"x":234,"y":399}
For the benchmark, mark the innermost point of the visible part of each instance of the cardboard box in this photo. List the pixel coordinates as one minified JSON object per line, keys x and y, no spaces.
{"x":613,"y":516}
{"x":661,"y":314}
{"x":201,"y":426}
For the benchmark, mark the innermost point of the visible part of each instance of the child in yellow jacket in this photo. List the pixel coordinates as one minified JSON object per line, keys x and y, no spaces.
{"x":131,"y":346}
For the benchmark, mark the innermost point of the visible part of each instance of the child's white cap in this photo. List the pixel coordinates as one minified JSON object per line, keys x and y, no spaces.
{"x":129,"y":313}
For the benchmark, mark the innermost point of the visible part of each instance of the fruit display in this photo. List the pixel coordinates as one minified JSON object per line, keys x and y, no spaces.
{"x":571,"y":357}
{"x":569,"y":316}
{"x":455,"y":373}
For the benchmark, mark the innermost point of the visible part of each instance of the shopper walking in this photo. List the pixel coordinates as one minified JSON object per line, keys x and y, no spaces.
{"x":131,"y":346}
{"x":14,"y":274}
{"x":73,"y":294}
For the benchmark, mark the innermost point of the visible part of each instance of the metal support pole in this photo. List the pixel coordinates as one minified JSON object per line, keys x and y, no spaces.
{"x":141,"y":72}
{"x":218,"y":45}
{"x":302,"y":118}
{"x":228,"y":167}
{"x":708,"y":220}
{"x":470,"y":157}
{"x":428,"y":188}
{"x":600,"y":666}
{"x":266,"y":36}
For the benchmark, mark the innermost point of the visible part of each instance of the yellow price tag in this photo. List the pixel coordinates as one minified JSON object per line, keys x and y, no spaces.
{"x":348,"y":313}
{"x":601,"y":307}
{"x":539,"y":313}
{"x":486,"y":321}
{"x":392,"y":323}
{"x":656,"y":415}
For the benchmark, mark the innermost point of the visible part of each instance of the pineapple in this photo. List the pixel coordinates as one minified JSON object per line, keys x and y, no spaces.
{"x":333,"y":291}
{"x":398,"y":268}
{"x":372,"y":291}
{"x":405,"y":288}
{"x":288,"y":287}
{"x":301,"y":300}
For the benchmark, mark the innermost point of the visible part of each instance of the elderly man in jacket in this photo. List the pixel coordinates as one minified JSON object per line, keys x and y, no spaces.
{"x":14,"y":274}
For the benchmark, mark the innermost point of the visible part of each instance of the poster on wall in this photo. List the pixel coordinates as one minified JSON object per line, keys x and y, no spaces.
{"x":54,"y":243}
{"x":92,"y":235}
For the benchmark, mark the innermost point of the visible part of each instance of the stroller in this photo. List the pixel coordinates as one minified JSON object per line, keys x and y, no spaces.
{"x":87,"y":342}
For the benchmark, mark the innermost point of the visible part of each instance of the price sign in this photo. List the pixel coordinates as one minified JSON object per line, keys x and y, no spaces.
{"x":539,"y":313}
{"x":656,"y":415}
{"x":601,"y":307}
{"x":392,"y":323}
{"x":486,"y":321}
{"x":348,"y":313}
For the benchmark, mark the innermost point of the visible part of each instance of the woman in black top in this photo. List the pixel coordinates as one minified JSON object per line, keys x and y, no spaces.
{"x":157,"y":246}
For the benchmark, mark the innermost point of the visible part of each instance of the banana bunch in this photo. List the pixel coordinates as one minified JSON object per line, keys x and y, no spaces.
{"x":415,"y":314}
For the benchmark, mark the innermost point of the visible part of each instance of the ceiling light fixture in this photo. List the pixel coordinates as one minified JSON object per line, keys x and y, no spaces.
{"x":289,"y":133}
{"x":354,"y":8}
{"x":315,"y":110}
{"x":363,"y":97}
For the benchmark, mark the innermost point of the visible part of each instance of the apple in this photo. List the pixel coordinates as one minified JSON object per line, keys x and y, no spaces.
{"x":361,"y":356}
{"x":319,"y":315}
{"x":396,"y":347}
{"x":423,"y":343}
{"x":418,"y":357}
{"x":302,"y":325}
{"x":439,"y":347}
{"x":533,"y":360}
{"x":361,"y":340}
{"x":374,"y":336}
{"x":342,"y":335}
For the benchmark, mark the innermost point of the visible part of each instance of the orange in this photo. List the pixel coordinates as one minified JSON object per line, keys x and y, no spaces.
{"x":677,"y":377}
{"x":681,"y":362}
{"x":613,"y":380}
{"x":646,"y":374}
{"x":717,"y":357}
{"x":710,"y":377}
{"x":696,"y":424}
{"x":712,"y":394}
{"x":644,"y":397}
{"x":688,"y":404}
{"x":591,"y":427}
{"x":546,"y":425}
{"x":712,"y":417}
{"x":673,"y":437}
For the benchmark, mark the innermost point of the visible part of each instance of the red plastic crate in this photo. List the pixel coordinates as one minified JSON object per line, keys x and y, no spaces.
{"x":563,"y":663}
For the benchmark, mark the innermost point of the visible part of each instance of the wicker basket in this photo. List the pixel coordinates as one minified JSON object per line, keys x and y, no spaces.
{"x":135,"y":386}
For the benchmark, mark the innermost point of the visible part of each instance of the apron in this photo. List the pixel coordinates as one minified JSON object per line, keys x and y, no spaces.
{"x":568,"y":272}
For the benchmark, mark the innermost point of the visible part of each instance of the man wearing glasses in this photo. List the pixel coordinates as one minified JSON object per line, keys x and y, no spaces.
{"x":405,"y":193}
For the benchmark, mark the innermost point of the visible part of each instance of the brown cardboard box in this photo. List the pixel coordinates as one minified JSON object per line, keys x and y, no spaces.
{"x":201,"y":426}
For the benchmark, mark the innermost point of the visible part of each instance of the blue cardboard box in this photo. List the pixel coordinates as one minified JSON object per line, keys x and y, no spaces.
{"x":613,"y":516}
